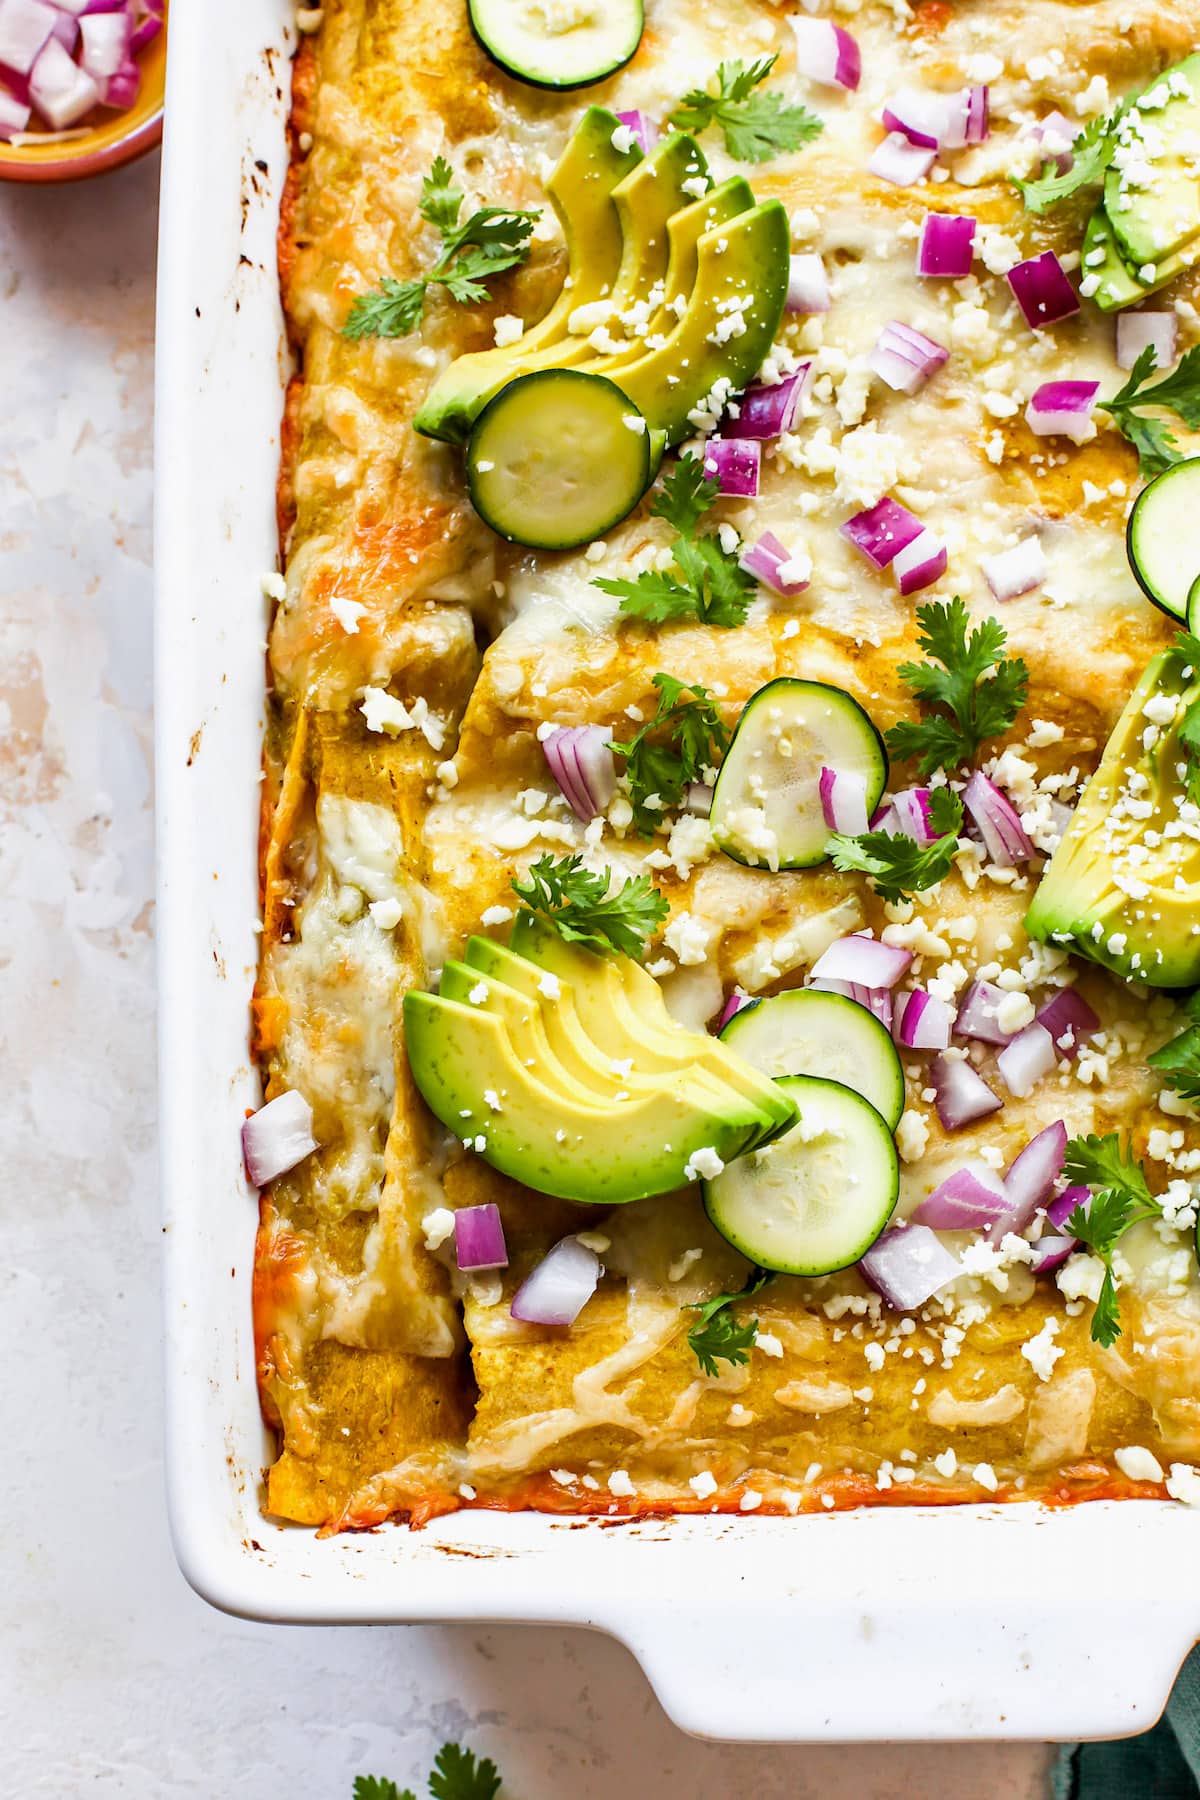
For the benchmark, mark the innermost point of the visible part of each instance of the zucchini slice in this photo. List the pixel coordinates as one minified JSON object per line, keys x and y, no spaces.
{"x":815,"y":1199}
{"x":558,"y":43}
{"x":557,"y":459}
{"x":766,"y":809}
{"x":806,"y":1032}
{"x":1163,"y":539}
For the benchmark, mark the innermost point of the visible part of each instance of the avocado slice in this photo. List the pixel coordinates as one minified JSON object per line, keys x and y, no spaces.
{"x":472,"y":1079}
{"x":621,"y":1009}
{"x":1124,"y":890}
{"x":684,"y":231}
{"x":1155,"y":214}
{"x":1119,"y":284}
{"x":645,"y":201}
{"x":745,"y":261}
{"x":581,"y":193}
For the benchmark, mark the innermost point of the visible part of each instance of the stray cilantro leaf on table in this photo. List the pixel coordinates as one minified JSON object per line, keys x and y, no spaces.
{"x":1091,"y":154}
{"x":457,"y":1776}
{"x":707,"y":582}
{"x":1121,"y":1198}
{"x":576,"y":901}
{"x":492,"y":239}
{"x":717,"y":1336}
{"x":979,"y":690}
{"x":756,"y":126}
{"x":899,"y":866}
{"x":685,"y":737}
{"x":1178,"y":392}
{"x":378,"y":1787}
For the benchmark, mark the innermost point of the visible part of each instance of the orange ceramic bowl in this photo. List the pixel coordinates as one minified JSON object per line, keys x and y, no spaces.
{"x":104,"y":140}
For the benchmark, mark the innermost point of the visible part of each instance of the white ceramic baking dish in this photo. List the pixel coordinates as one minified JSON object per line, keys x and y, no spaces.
{"x":980,"y":1622}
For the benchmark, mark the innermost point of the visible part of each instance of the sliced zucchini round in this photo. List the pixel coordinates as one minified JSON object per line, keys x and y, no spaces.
{"x":816,"y":1198}
{"x":557,"y":459}
{"x":558,"y":43}
{"x":806,"y":1032}
{"x":766,"y":808}
{"x":1163,"y":539}
{"x":1193,"y":606}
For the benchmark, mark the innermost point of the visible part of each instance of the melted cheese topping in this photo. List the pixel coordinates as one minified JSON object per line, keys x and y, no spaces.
{"x":384,"y":850}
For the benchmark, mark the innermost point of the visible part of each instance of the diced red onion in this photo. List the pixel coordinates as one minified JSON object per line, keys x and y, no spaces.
{"x":882,"y":531}
{"x":864,"y":961}
{"x":734,"y":464}
{"x":808,"y":284}
{"x":776,"y":566}
{"x":645,"y":130}
{"x":1026,"y":1060}
{"x":25,"y":28}
{"x":1138,"y":331}
{"x":920,"y":563}
{"x":1056,"y":134}
{"x":1051,"y":1251}
{"x":977,"y":1014}
{"x":1063,"y":1205}
{"x":826,"y":53}
{"x":698,"y":798}
{"x":14,"y":114}
{"x":479,"y":1238}
{"x":975,"y":116}
{"x":558,"y":1289}
{"x":106,"y":39}
{"x":581,"y":762}
{"x":877,"y":1001}
{"x":844,"y":800}
{"x":999,"y":824}
{"x":66,"y":31}
{"x":61,"y":91}
{"x":121,"y":89}
{"x":277,"y":1137}
{"x":971,"y":1199}
{"x":144,"y":34}
{"x":1062,"y":409}
{"x":884,"y":819}
{"x":946,"y":246}
{"x":1029,"y":1180}
{"x":961,"y":1094}
{"x":905,"y":358}
{"x":902,"y":163}
{"x":921,"y":1021}
{"x":1042,"y":291}
{"x":1018,"y":570}
{"x":768,"y":410}
{"x":908,"y":1266}
{"x":736,"y":1003}
{"x":1068,"y":1018}
{"x":910,"y":808}
{"x":922,"y":117}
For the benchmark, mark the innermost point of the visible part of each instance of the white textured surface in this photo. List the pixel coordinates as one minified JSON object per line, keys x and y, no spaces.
{"x":114,"y":1679}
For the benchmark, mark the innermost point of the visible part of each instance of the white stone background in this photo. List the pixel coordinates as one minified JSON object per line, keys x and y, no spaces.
{"x":114,"y":1677}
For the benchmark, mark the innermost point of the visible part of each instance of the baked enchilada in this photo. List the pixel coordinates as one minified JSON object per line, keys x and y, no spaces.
{"x":731,"y":820}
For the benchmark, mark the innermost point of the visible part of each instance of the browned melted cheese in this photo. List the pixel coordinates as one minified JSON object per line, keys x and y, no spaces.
{"x":395,"y":1387}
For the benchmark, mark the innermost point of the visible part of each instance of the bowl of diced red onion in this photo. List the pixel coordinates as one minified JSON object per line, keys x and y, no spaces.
{"x":81,"y":85}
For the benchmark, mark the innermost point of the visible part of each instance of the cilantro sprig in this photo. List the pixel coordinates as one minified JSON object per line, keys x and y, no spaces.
{"x":685,"y":737}
{"x":977,"y":689}
{"x":756,"y":126}
{"x":719,"y":1337}
{"x":898,"y":865}
{"x":1091,"y":153}
{"x":706,"y":582}
{"x":1121,"y":1198}
{"x":1179,"y":392}
{"x":1179,"y":1060}
{"x":492,"y":239}
{"x":577,"y":902}
{"x":456,"y":1775}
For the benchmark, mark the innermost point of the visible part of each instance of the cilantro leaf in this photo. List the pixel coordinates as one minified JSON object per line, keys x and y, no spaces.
{"x":378,"y":1787}
{"x":685,"y":736}
{"x":1091,"y":154}
{"x":457,"y":1776}
{"x":977,"y":705}
{"x":899,"y":866}
{"x":576,"y":901}
{"x":1179,"y":392}
{"x":492,"y":239}
{"x":1121,"y":1198}
{"x":1187,"y":645}
{"x":717,"y":1336}
{"x":756,"y":126}
{"x":1179,"y":1061}
{"x":708,"y":583}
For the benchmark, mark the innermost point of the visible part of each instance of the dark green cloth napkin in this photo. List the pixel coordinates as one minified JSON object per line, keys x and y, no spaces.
{"x":1162,"y":1764}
